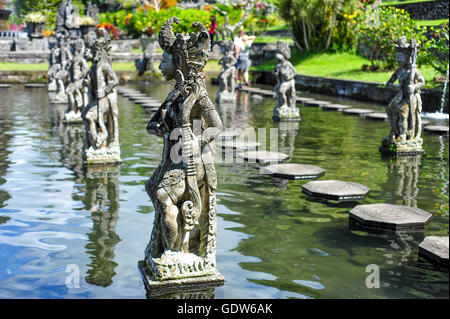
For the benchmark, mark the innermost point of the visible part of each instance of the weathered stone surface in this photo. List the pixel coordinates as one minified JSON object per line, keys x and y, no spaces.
{"x":377,"y":116}
{"x":303,"y":99}
{"x":425,"y":122}
{"x":227,"y":81}
{"x":390,"y":217}
{"x":357,"y":111}
{"x":150,"y":105}
{"x":262,"y":157}
{"x":294,"y":171}
{"x":335,"y":107}
{"x":436,"y":129}
{"x":336,"y":190}
{"x":237,"y":144}
{"x":435,"y":249}
{"x":316,"y":103}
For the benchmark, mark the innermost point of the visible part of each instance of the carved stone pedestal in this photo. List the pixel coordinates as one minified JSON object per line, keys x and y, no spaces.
{"x":73,"y":118}
{"x":287,"y":114}
{"x":106,"y":155}
{"x":406,"y":148}
{"x":202,"y":286}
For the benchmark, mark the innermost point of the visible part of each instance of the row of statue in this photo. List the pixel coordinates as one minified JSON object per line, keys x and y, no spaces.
{"x":182,"y":189}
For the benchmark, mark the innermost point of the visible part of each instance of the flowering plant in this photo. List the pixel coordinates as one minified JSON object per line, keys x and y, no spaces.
{"x":35,"y":17}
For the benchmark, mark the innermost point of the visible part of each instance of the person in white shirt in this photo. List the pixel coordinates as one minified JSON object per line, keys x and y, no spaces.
{"x":242,"y":44}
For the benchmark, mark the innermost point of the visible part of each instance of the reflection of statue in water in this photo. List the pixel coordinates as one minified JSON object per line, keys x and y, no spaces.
{"x":226,"y":77}
{"x":102,"y":200}
{"x":78,"y":70}
{"x":404,"y":175}
{"x":101,"y":114}
{"x":183,"y":190}
{"x":287,"y":132}
{"x":404,"y":111}
{"x":285,"y":109}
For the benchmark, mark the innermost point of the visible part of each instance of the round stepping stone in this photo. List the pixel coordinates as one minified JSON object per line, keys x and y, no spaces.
{"x":4,"y":86}
{"x":257,"y":97}
{"x":137,"y":97}
{"x":436,"y":129}
{"x":336,"y":190}
{"x":357,"y":111}
{"x":262,"y":157}
{"x":391,"y":217}
{"x":294,"y":171}
{"x":425,"y":122}
{"x":237,"y":145}
{"x":316,"y":103}
{"x":377,"y":116}
{"x":435,"y":249}
{"x":335,"y":107}
{"x":145,"y":100}
{"x":150,"y":105}
{"x":35,"y":85}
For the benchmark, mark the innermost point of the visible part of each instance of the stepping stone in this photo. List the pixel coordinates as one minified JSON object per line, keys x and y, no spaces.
{"x":336,"y":190}
{"x":390,"y":217}
{"x":137,"y":97}
{"x":437,"y":129}
{"x":377,"y":116}
{"x":357,"y":111}
{"x":146,"y":100}
{"x":228,"y":134}
{"x":435,"y":249}
{"x":237,"y":145}
{"x":35,"y":85}
{"x":335,"y":107}
{"x":257,"y":97}
{"x":5,"y":85}
{"x":316,"y":103}
{"x":425,"y":122}
{"x":294,"y":171}
{"x":150,"y":105}
{"x":303,"y":99}
{"x":262,"y":157}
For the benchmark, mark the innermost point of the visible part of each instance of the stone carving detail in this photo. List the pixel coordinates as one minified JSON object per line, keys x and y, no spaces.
{"x":183,"y":188}
{"x":100,"y":116}
{"x":226,"y":78}
{"x":77,"y":94}
{"x":404,"y":111}
{"x":285,"y":109}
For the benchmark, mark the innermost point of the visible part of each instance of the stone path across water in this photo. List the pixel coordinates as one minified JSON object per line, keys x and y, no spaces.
{"x":35,"y":85}
{"x":436,"y":129}
{"x":356,"y":111}
{"x":294,"y":171}
{"x":335,"y":107}
{"x":4,"y":86}
{"x":377,"y":116}
{"x":435,"y":249}
{"x":148,"y":103}
{"x":262,"y":157}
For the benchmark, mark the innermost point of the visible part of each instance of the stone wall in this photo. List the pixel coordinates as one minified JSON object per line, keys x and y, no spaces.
{"x":357,"y":90}
{"x":430,"y":10}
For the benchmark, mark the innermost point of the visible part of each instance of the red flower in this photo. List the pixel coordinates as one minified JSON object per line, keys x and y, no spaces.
{"x":435,"y":35}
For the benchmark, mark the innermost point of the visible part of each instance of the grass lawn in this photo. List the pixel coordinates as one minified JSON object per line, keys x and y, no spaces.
{"x":339,"y":65}
{"x":431,"y":23}
{"x":390,"y":3}
{"x":269,"y":39}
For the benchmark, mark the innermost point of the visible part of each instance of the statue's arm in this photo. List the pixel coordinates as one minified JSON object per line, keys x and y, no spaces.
{"x":419,"y":80}
{"x":114,"y":81}
{"x":393,"y":78}
{"x":212,"y":119}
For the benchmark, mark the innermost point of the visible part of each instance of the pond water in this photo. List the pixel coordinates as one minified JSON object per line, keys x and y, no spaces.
{"x":273,"y":241}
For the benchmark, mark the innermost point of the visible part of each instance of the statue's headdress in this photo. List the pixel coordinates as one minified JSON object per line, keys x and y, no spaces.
{"x":103,"y":40}
{"x":404,"y":47}
{"x":193,"y":48}
{"x":284,"y":49}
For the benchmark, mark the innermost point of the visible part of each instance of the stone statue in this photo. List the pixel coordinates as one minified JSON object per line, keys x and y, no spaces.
{"x":226,"y":77}
{"x":59,"y":70}
{"x":404,"y":111}
{"x":229,"y":29}
{"x":92,"y":11}
{"x":54,"y":64}
{"x":100,"y":116}
{"x":183,"y":187}
{"x":146,"y":62}
{"x":77,"y":71}
{"x":285,"y":109}
{"x":65,"y":16}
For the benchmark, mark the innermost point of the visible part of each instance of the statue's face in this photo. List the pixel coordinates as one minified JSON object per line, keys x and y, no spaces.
{"x":279,"y":56}
{"x":167,"y":66}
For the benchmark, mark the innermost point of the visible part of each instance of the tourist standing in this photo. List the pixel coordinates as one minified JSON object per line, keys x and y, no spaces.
{"x":242,"y":44}
{"x":212,"y":28}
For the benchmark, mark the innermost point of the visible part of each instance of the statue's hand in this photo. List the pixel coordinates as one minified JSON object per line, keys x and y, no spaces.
{"x":411,"y":88}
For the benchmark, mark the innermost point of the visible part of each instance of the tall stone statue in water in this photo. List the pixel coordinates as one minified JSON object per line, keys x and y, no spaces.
{"x":100,"y":116}
{"x":182,"y":247}
{"x":404,"y":111}
{"x":227,"y":81}
{"x":58,"y":73}
{"x":286,"y":108}
{"x":78,"y":70}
